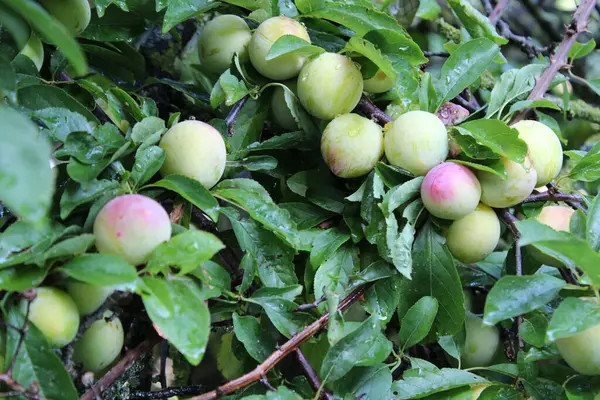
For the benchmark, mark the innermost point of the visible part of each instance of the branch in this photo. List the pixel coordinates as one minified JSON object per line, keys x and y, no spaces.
{"x":367,"y":107}
{"x":314,"y":304}
{"x":498,"y":11}
{"x":168,"y":393}
{"x":233,"y":114}
{"x":288,"y":347}
{"x":312,"y":376}
{"x":553,"y":196}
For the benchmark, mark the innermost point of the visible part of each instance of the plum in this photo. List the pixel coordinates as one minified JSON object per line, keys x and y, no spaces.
{"x":75,"y":15}
{"x":378,"y":83}
{"x":351,"y":145}
{"x":35,"y":51}
{"x":281,"y":112}
{"x":131,"y":226}
{"x":88,"y":298}
{"x":100,"y":344}
{"x":194,"y":149}
{"x":286,"y":66}
{"x":519,"y":183}
{"x":55,"y":314}
{"x":330,"y":85}
{"x":450,"y":191}
{"x":582,"y":350}
{"x":545,"y":150}
{"x":481,"y":343}
{"x":559,"y":219}
{"x":221,"y":38}
{"x":475,"y":236}
{"x":416,"y":141}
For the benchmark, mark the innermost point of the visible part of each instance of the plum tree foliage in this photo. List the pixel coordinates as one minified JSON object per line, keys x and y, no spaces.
{"x":218,"y":199}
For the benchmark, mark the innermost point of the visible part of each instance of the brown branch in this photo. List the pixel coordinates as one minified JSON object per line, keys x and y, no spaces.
{"x":498,"y":11}
{"x":288,"y":347}
{"x":548,"y":196}
{"x":314,"y":304}
{"x":311,"y":376}
{"x":367,"y":107}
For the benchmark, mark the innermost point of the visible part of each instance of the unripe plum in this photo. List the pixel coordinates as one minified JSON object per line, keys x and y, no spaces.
{"x":330,"y":85}
{"x":131,"y":226}
{"x":475,"y":236}
{"x":88,"y":298}
{"x":378,"y":83}
{"x":559,"y":89}
{"x":481,"y":343}
{"x":559,"y":219}
{"x":281,"y":113}
{"x":582,"y":351}
{"x":221,"y":38}
{"x":55,"y":314}
{"x":194,"y":149}
{"x":351,"y":145}
{"x":450,"y":191}
{"x":101,"y":343}
{"x":519,"y":183}
{"x":416,"y":141}
{"x":545,"y":150}
{"x":34,"y":50}
{"x":267,"y":33}
{"x":75,"y":15}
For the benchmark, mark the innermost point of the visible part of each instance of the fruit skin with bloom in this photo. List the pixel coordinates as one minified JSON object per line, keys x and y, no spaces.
{"x":285,"y":67}
{"x":88,"y":298}
{"x":501,"y":193}
{"x":481,"y":343}
{"x":416,"y":141}
{"x":100,"y":344}
{"x":351,"y":145}
{"x":559,"y":219}
{"x":450,"y":191}
{"x":55,"y":314}
{"x":330,"y":85}
{"x":196,"y":150}
{"x":545,"y":150}
{"x":34,"y":50}
{"x":131,"y":226}
{"x":222,"y":37}
{"x":75,"y":15}
{"x":582,"y":351}
{"x":475,"y":236}
{"x":281,"y":112}
{"x":378,"y":83}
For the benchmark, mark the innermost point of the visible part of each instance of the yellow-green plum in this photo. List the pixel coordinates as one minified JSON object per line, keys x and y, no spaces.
{"x":75,"y":15}
{"x":582,"y":351}
{"x":475,"y":236}
{"x":88,"y":298}
{"x":281,"y":113}
{"x":55,"y":314}
{"x":280,"y":68}
{"x":194,"y":149}
{"x":519,"y":183}
{"x":559,"y":89}
{"x":351,"y":145}
{"x":416,"y":141}
{"x":450,"y":191}
{"x":545,"y":150}
{"x":481,"y":343}
{"x":131,"y":226}
{"x":100,"y":344}
{"x":221,"y":38}
{"x":34,"y":50}
{"x":378,"y":83}
{"x":329,"y":85}
{"x":559,"y":219}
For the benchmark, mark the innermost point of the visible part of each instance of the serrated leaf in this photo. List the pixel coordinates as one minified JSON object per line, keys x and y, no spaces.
{"x":334,"y":275}
{"x":496,"y":136}
{"x":147,"y":163}
{"x":477,"y":24}
{"x":291,"y":44}
{"x":100,"y":269}
{"x":258,"y":344}
{"x":181,"y":10}
{"x":429,"y":382}
{"x":382,"y":299}
{"x":76,"y":195}
{"x":70,"y":247}
{"x":513,"y":85}
{"x":282,"y":311}
{"x":373,"y":383}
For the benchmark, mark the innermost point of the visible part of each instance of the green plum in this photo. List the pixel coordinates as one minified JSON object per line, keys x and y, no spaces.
{"x":378,"y":83}
{"x":582,"y":350}
{"x":75,"y":15}
{"x":88,"y":297}
{"x":475,"y":236}
{"x":281,"y":112}
{"x":194,"y":149}
{"x":221,"y":38}
{"x":35,"y":51}
{"x":100,"y":344}
{"x":351,"y":145}
{"x":501,"y":193}
{"x":330,"y":85}
{"x":481,"y":343}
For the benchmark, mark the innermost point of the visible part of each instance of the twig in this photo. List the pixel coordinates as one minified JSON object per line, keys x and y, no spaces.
{"x":168,"y":393}
{"x":279,"y":354}
{"x":314,"y":304}
{"x":311,"y":375}
{"x":118,"y":370}
{"x":367,"y":107}
{"x":548,"y":196}
{"x":233,"y":114}
{"x":265,"y":382}
{"x":498,"y":11}
{"x":429,"y":54}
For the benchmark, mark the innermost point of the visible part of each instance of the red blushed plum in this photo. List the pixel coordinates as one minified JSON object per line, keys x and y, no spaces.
{"x":267,"y":33}
{"x":475,"y":236}
{"x":351,"y":145}
{"x":450,"y":191}
{"x":131,"y":226}
{"x":501,"y":193}
{"x":545,"y":150}
{"x":330,"y":85}
{"x":416,"y":141}
{"x":221,"y":38}
{"x":194,"y":149}
{"x":582,"y":351}
{"x":378,"y":83}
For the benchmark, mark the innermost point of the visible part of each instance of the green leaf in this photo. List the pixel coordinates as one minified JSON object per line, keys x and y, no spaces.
{"x":400,"y":195}
{"x":464,"y":67}
{"x":21,"y":277}
{"x":37,"y":363}
{"x":282,"y":393}
{"x":26,"y":178}
{"x":503,"y":392}
{"x":373,"y":383}
{"x":181,"y":10}
{"x":281,"y":310}
{"x":233,"y":88}
{"x":496,"y":136}
{"x":512,"y":296}
{"x":52,"y":31}
{"x":375,"y":55}
{"x":514,"y":84}
{"x":60,"y":122}
{"x":426,"y":382}
{"x":177,"y":307}
{"x":588,"y":169}
{"x":477,"y":24}
{"x":593,"y":224}
{"x":39,"y":97}
{"x":334,"y":275}
{"x":147,"y":128}
{"x":399,"y":244}
{"x":100,"y":269}
{"x":428,"y":10}
{"x":306,"y":215}
{"x":325,"y":244}
{"x":291,"y":44}
{"x":533,"y":330}
{"x":147,"y":163}
{"x":580,"y":50}
{"x":73,"y":246}
{"x":345,"y":354}
{"x":571,"y":317}
{"x":256,"y":341}
{"x":185,"y":251}
{"x":417,"y":321}
{"x":382,"y":299}
{"x":192,"y":191}
{"x":76,"y":195}
{"x":525,"y":104}
{"x":22,"y":242}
